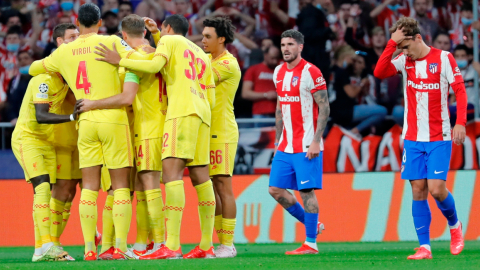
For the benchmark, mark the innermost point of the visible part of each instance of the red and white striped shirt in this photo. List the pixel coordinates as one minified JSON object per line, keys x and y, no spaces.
{"x":295,"y":88}
{"x":426,"y":84}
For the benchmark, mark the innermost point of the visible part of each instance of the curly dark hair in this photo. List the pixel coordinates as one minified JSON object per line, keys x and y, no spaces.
{"x":223,"y":27}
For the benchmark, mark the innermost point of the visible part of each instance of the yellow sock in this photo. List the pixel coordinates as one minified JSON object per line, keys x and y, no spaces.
{"x":218,"y":227}
{"x":38,"y":238}
{"x":107,"y":220}
{"x":228,"y":226}
{"x":42,"y":211}
{"x":174,"y":205}
{"x":66,"y":215}
{"x":156,"y":214}
{"x":142,"y":219}
{"x":88,"y":217}
{"x":56,"y":217}
{"x":122,"y":216}
{"x":206,"y":211}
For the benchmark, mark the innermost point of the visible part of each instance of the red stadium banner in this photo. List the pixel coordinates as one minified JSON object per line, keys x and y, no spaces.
{"x":346,"y":154}
{"x":371,"y":206}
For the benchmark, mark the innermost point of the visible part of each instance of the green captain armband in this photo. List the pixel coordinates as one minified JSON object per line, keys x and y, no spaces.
{"x":132,"y":77}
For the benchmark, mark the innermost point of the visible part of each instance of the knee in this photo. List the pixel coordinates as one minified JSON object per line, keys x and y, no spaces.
{"x":439,"y":194}
{"x":274,"y":191}
{"x":419,"y":192}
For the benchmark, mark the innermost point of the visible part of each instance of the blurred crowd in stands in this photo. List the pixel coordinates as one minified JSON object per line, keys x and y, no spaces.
{"x":344,"y":38}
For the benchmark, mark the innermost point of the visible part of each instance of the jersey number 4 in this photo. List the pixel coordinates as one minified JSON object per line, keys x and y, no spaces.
{"x":192,"y":72}
{"x":82,"y":78}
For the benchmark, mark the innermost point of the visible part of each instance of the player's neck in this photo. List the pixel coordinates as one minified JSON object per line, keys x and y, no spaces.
{"x":294,"y":63}
{"x":218,"y":52}
{"x":136,"y":42}
{"x":425,"y":51}
{"x":85,"y":31}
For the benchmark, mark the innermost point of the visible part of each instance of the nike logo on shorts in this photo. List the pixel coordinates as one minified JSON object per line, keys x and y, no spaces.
{"x":435,"y":172}
{"x":279,"y":81}
{"x":419,"y":228}
{"x":304,"y":182}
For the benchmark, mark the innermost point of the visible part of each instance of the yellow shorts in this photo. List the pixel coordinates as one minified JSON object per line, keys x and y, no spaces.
{"x":148,"y":155}
{"x":68,"y":166}
{"x":36,"y":160}
{"x":104,"y":144}
{"x":187,"y":138}
{"x":106,"y":181}
{"x":222,"y":158}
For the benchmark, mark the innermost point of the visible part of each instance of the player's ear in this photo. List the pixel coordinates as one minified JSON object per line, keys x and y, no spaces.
{"x":59,"y":41}
{"x":221,"y":40}
{"x":99,"y":24}
{"x":301,"y":47}
{"x":77,"y":23}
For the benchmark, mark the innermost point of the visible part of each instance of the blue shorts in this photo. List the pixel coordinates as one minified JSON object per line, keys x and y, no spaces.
{"x":295,"y":171}
{"x":426,"y":160}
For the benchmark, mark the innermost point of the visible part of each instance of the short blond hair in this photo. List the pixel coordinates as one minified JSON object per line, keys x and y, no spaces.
{"x":342,"y":51}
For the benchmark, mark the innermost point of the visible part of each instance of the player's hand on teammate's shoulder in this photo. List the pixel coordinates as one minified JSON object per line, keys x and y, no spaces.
{"x":151,"y":25}
{"x":399,"y":36}
{"x":109,"y":56}
{"x":313,"y":150}
{"x":459,"y":134}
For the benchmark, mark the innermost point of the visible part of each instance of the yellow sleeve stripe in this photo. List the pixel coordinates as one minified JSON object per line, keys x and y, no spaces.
{"x":164,"y":55}
{"x":210,"y":86}
{"x":218,"y":73}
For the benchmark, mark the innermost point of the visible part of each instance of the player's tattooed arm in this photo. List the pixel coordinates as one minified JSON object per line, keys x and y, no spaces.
{"x":321,"y":98}
{"x":278,"y":122}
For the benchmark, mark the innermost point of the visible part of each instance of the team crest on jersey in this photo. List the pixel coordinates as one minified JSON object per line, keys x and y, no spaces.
{"x":294,"y":81}
{"x":433,"y":68}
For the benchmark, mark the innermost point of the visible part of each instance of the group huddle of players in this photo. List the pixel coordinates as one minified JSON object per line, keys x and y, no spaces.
{"x":181,"y":115}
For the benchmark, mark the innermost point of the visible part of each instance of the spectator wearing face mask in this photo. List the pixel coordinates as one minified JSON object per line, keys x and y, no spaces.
{"x":110,"y":5}
{"x":258,"y":85}
{"x":344,"y":94}
{"x":8,"y":58}
{"x":17,"y":87}
{"x":464,"y":56}
{"x":9,"y":19}
{"x":66,"y":7}
{"x":388,"y":12}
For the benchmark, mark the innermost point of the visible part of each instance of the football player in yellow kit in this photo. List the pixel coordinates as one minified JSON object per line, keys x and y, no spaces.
{"x":224,"y":130}
{"x":104,"y":135}
{"x":65,"y":142}
{"x":33,"y":146}
{"x":147,"y":91}
{"x":187,"y":72}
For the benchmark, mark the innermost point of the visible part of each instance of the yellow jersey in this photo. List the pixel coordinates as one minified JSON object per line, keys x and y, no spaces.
{"x":87,"y":77}
{"x":44,"y":88}
{"x":227,"y":76}
{"x":150,"y":104}
{"x":187,"y":74}
{"x":65,"y":134}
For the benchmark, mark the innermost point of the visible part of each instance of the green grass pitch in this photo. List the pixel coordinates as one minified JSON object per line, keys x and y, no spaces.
{"x":271,"y":256}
